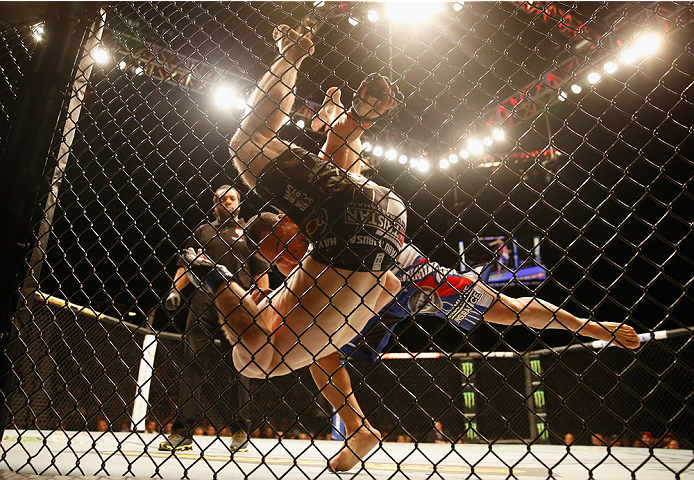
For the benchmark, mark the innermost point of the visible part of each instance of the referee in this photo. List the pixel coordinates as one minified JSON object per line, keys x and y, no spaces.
{"x":224,"y":405}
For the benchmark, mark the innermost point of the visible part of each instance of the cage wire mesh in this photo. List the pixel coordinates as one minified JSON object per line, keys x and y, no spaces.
{"x":550,"y":141}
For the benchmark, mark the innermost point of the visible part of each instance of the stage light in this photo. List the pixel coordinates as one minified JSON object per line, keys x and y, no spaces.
{"x":122,"y":65}
{"x":366,"y":147}
{"x":647,"y":43}
{"x":412,"y":12}
{"x":414,"y":162}
{"x":225,"y":97}
{"x":487,"y":141}
{"x":458,"y":6}
{"x":423,"y":165}
{"x":474,"y":147}
{"x":498,"y":134}
{"x":300,"y":123}
{"x":403,"y":159}
{"x":101,"y":56}
{"x":139,"y":70}
{"x":629,"y":55}
{"x":318,"y":4}
{"x":37,"y":31}
{"x":576,"y":88}
{"x":610,"y":67}
{"x":378,"y":151}
{"x":444,"y":164}
{"x":391,"y":155}
{"x":562,"y":95}
{"x":593,"y":78}
{"x":453,"y":158}
{"x":241,"y":104}
{"x":285,"y":121}
{"x":464,"y":153}
{"x":353,"y":21}
{"x":373,"y":16}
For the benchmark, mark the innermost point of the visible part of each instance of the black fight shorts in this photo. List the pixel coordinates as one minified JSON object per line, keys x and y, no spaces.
{"x":352,"y":223}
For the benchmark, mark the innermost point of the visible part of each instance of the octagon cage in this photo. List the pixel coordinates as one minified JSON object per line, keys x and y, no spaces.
{"x":534,"y":157}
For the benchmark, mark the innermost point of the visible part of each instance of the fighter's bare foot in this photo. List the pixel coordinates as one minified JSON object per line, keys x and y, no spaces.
{"x":292,"y":44}
{"x":358,"y":445}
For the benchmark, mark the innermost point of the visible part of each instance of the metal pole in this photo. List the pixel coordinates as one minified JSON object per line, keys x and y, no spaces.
{"x":42,"y":99}
{"x":79,"y":88}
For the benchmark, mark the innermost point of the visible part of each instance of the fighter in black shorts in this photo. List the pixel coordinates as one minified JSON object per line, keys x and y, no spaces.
{"x":352,"y":223}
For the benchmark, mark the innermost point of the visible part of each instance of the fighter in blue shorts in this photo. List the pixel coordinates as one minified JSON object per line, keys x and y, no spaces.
{"x":426,"y":289}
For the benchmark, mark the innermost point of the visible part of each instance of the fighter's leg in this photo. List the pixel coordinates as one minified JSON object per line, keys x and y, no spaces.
{"x":255,"y":142}
{"x":332,"y":379}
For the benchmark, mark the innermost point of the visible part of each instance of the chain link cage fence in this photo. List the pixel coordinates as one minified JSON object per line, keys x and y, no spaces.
{"x":545,"y":140}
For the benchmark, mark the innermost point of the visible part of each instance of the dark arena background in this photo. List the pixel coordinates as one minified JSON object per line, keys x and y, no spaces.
{"x":549,"y":141}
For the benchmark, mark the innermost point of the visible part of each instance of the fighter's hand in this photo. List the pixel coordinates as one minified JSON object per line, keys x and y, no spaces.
{"x":375,"y":97}
{"x":258,"y":294}
{"x":624,"y":335}
{"x":172,"y":300}
{"x":331,"y":109}
{"x":291,"y":44}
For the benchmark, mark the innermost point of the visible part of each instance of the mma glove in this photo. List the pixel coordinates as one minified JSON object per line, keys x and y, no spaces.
{"x":172,"y":300}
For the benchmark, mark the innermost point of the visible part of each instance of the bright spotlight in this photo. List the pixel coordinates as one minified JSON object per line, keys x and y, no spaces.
{"x":403,"y":159}
{"x":414,"y":162}
{"x":453,"y":158}
{"x":423,"y":165}
{"x":378,"y":151}
{"x":225,"y":97}
{"x":391,"y":155}
{"x":458,"y":6}
{"x":443,"y":164}
{"x":474,"y":147}
{"x":139,"y":70}
{"x":464,"y":154}
{"x":610,"y":67}
{"x":373,"y":16}
{"x":629,"y":55}
{"x":576,"y":88}
{"x":285,"y":121}
{"x":366,"y":147}
{"x":353,"y":21}
{"x":37,"y":31}
{"x":412,"y":12}
{"x":647,"y":43}
{"x":101,"y":56}
{"x":122,"y":65}
{"x":241,"y":104}
{"x":562,"y":95}
{"x":593,"y":78}
{"x":498,"y":134}
{"x":318,"y":4}
{"x":487,"y":141}
{"x":300,"y":123}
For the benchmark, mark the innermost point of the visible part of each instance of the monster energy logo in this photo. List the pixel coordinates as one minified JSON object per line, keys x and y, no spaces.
{"x":471,"y":432}
{"x":467,"y":368}
{"x":542,"y":431}
{"x":536,"y":366}
{"x":539,"y":397}
{"x":469,"y":398}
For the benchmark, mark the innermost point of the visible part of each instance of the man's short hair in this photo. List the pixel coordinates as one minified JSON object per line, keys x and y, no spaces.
{"x":217,"y":197}
{"x":258,"y":227}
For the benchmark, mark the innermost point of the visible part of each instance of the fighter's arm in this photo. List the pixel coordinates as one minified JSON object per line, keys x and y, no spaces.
{"x":540,"y":314}
{"x":343,"y":141}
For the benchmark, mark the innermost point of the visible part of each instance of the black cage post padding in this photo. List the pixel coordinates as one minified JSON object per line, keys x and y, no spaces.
{"x":548,"y":142}
{"x":39,"y":105}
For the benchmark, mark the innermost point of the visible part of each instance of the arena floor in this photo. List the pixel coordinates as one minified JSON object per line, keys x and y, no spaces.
{"x":117,"y":455}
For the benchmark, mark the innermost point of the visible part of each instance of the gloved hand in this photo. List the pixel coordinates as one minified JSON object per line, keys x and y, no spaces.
{"x":172,"y":300}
